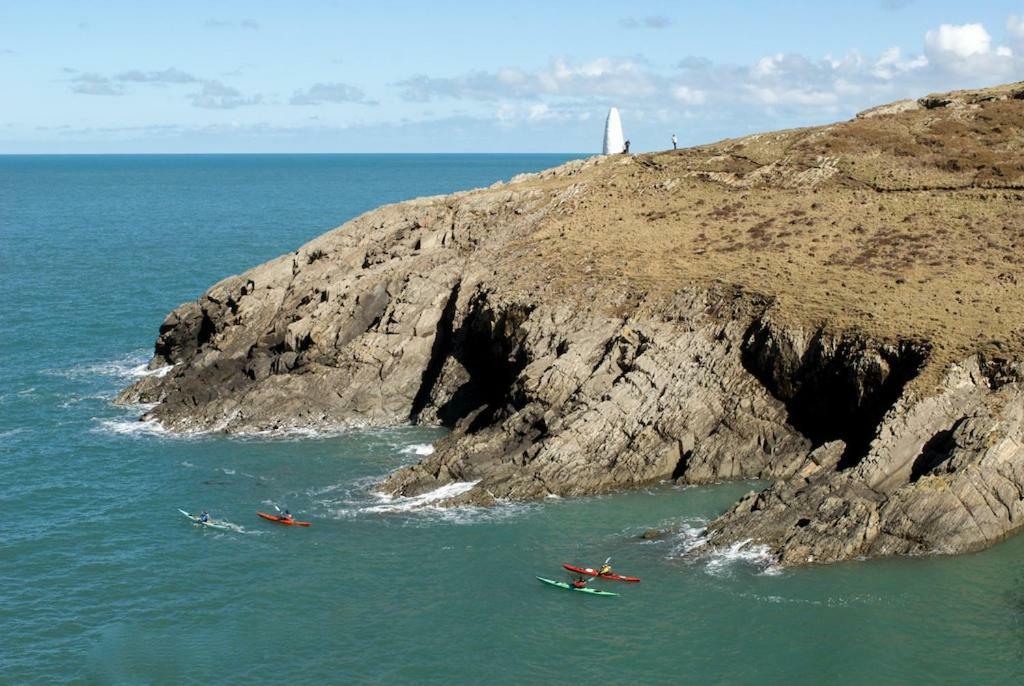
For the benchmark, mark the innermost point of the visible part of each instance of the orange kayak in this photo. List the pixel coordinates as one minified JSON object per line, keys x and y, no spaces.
{"x":281,"y":520}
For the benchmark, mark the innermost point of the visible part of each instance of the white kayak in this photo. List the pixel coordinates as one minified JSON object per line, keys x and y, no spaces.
{"x":212,"y":524}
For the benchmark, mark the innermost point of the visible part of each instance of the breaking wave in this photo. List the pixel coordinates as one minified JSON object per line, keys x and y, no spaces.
{"x":430,"y":499}
{"x":132,"y":427}
{"x":134,"y":365}
{"x":690,"y":543}
{"x":422,"y":449}
{"x":357,"y":499}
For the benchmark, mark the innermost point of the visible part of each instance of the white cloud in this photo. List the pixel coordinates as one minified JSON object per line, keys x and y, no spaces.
{"x":88,"y":83}
{"x":949,"y":57}
{"x":538,"y":112}
{"x":605,"y":76}
{"x":212,"y":94}
{"x":690,"y":96}
{"x":769,"y":95}
{"x":216,"y":95}
{"x":170,"y":75}
{"x":959,"y":41}
{"x":891,"y":64}
{"x":320,"y":93}
{"x":966,"y":51}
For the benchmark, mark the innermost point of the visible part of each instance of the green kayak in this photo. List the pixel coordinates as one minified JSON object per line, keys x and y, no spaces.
{"x":210,"y":524}
{"x":562,"y":584}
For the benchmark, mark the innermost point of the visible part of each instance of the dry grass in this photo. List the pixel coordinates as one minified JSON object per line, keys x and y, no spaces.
{"x":903,"y":226}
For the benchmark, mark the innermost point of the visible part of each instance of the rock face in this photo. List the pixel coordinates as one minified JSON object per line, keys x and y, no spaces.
{"x":943,"y":474}
{"x":784,"y":307}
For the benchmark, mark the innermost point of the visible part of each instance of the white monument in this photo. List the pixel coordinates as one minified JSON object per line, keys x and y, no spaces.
{"x":614,"y":141}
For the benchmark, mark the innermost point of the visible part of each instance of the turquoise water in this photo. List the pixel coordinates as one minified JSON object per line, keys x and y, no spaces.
{"x":103,"y":581}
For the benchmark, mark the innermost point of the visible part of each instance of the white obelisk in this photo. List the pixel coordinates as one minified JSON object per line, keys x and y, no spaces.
{"x":614,"y":141}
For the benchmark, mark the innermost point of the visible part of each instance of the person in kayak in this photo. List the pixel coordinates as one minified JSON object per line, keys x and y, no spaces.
{"x":287,"y":516}
{"x":605,"y":570}
{"x":579,"y":582}
{"x":205,"y":517}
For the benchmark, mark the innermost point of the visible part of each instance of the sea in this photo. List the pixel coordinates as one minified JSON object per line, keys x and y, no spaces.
{"x":104,"y":581}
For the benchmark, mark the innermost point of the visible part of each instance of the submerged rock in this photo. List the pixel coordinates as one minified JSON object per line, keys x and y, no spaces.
{"x":835,"y":309}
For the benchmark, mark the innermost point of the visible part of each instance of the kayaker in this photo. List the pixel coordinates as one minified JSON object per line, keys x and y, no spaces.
{"x":579,"y":582}
{"x":205,"y":517}
{"x":605,"y":570}
{"x":287,"y":516}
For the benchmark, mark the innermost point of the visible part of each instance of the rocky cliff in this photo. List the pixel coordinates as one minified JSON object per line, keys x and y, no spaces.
{"x":837,"y":309}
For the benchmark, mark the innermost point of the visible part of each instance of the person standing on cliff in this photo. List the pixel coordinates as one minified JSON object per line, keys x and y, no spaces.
{"x":674,"y":142}
{"x":625,"y":148}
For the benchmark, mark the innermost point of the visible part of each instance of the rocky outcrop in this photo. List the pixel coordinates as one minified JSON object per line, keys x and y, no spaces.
{"x":943,"y":474}
{"x":836,"y":310}
{"x":559,"y":400}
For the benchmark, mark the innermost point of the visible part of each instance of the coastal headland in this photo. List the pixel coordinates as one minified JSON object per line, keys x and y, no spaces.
{"x":838,"y":309}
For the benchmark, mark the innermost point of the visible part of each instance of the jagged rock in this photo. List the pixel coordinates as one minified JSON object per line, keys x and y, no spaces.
{"x":837,"y":309}
{"x":944,"y":474}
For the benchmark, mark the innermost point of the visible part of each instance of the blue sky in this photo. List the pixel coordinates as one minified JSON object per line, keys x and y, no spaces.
{"x":225,"y":76}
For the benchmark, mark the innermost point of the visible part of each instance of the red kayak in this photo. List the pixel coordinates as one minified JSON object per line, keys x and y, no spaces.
{"x":281,"y":520}
{"x":593,"y":572}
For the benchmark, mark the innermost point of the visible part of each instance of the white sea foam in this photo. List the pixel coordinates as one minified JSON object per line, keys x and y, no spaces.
{"x":74,"y":399}
{"x":132,"y":365}
{"x":430,"y":499}
{"x":293,"y":433}
{"x":722,"y":561}
{"x":691,"y":536}
{"x":470,"y":514}
{"x":419,"y":449}
{"x":159,"y":372}
{"x":692,"y":542}
{"x":132,"y":427}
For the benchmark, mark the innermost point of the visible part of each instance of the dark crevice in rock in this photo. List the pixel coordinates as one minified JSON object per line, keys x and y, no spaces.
{"x":684,"y":461}
{"x":490,"y":346}
{"x":935,"y":451}
{"x":834,"y":388}
{"x":439,"y":352}
{"x":206,"y":330}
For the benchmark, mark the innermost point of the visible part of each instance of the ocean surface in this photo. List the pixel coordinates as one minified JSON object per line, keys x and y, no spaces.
{"x":103,"y":581}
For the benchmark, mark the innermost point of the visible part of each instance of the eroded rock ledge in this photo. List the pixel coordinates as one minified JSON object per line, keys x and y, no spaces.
{"x":819,"y":308}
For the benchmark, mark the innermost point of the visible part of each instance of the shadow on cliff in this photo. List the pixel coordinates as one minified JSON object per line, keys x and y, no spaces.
{"x":488,"y":344}
{"x":834,"y":388}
